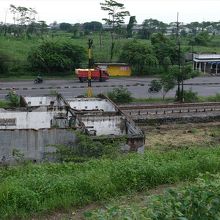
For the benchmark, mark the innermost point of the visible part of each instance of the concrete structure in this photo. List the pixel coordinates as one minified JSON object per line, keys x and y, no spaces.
{"x":115,"y":69}
{"x":207,"y":63}
{"x":42,"y":122}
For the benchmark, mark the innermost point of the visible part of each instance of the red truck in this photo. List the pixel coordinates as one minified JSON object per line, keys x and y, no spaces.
{"x":96,"y":74}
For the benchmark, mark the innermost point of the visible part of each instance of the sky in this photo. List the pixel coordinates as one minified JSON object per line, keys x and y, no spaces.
{"x":80,"y":11}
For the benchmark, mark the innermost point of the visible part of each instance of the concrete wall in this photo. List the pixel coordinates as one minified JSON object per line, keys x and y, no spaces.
{"x":91,"y":104}
{"x":105,"y":125}
{"x":33,"y":144}
{"x":34,"y":119}
{"x":25,"y":120}
{"x":41,"y":101}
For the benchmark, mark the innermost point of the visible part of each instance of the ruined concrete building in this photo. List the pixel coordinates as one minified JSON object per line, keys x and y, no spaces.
{"x":43,"y":122}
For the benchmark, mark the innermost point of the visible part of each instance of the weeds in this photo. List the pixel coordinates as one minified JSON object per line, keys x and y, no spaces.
{"x":25,"y":190}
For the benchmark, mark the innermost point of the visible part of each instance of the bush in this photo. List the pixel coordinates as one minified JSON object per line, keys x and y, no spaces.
{"x":189,"y":96}
{"x":120,"y":95}
{"x":14,"y":99}
{"x":56,"y":56}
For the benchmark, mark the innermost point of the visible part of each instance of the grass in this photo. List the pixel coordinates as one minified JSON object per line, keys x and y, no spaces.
{"x":31,"y":189}
{"x":182,"y":136}
{"x":17,"y":50}
{"x":199,"y":200}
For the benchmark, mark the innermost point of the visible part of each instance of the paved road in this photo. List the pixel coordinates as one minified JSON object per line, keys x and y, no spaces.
{"x":205,"y":86}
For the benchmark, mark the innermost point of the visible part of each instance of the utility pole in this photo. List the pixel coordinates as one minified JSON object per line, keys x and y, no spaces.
{"x":180,"y":77}
{"x":90,"y":64}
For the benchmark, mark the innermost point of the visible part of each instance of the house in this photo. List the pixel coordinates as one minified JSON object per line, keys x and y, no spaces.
{"x":207,"y":63}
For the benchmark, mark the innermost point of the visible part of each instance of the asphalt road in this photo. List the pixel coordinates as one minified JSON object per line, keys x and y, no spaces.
{"x":205,"y":86}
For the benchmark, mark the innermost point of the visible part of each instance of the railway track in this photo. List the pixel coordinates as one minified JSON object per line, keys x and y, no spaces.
{"x":165,"y":109}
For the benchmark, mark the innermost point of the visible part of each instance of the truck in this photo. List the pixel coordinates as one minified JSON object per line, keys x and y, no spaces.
{"x":96,"y":74}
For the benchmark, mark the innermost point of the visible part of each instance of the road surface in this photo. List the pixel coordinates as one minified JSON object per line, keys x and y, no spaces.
{"x":205,"y":86}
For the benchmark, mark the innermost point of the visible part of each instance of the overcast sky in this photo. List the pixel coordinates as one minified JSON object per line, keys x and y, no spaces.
{"x":80,"y":11}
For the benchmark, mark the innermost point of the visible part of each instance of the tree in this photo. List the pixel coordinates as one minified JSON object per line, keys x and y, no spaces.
{"x":165,"y":47}
{"x":92,"y":26}
{"x":138,"y":55}
{"x":65,"y":27}
{"x":202,"y":38}
{"x":194,"y":26}
{"x":56,"y":56}
{"x":180,"y":75}
{"x":167,"y":82}
{"x":22,"y":17}
{"x":132,"y":22}
{"x":76,"y":30}
{"x":116,"y":16}
{"x":151,"y":26}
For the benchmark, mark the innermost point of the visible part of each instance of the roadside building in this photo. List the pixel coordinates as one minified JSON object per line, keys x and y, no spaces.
{"x":115,"y":69}
{"x":207,"y":63}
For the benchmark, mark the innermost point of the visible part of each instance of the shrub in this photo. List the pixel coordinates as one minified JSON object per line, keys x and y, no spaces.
{"x":120,"y":95}
{"x":189,"y":96}
{"x":14,"y":99}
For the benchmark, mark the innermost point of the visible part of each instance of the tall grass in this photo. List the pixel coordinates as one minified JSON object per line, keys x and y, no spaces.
{"x":30,"y":189}
{"x":199,"y":200}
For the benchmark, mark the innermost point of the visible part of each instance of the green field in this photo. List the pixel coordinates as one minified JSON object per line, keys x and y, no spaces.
{"x":17,"y":50}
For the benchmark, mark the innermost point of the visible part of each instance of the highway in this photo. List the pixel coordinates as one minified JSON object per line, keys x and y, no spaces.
{"x":205,"y":86}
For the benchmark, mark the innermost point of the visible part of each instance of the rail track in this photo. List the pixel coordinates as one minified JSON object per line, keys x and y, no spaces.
{"x":165,"y":109}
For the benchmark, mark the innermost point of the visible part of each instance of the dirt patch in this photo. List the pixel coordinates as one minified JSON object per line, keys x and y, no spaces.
{"x":177,"y":136}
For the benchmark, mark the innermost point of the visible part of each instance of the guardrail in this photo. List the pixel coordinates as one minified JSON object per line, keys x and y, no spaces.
{"x":138,"y":110}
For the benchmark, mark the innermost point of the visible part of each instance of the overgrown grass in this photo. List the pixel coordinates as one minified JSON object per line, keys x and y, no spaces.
{"x":199,"y":200}
{"x":25,"y":190}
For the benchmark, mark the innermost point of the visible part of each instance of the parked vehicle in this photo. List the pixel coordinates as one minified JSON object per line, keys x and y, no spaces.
{"x":96,"y":74}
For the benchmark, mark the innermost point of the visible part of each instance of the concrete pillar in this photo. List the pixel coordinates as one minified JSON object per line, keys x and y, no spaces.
{"x":204,"y":67}
{"x":195,"y":66}
{"x":216,"y":68}
{"x":200,"y":66}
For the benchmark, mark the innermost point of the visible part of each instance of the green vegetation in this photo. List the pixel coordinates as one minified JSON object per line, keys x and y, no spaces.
{"x":87,"y":148}
{"x":189,"y":96}
{"x":140,"y":56}
{"x":4,"y":104}
{"x":52,"y":57}
{"x":195,"y":201}
{"x":25,"y":190}
{"x":120,"y":95}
